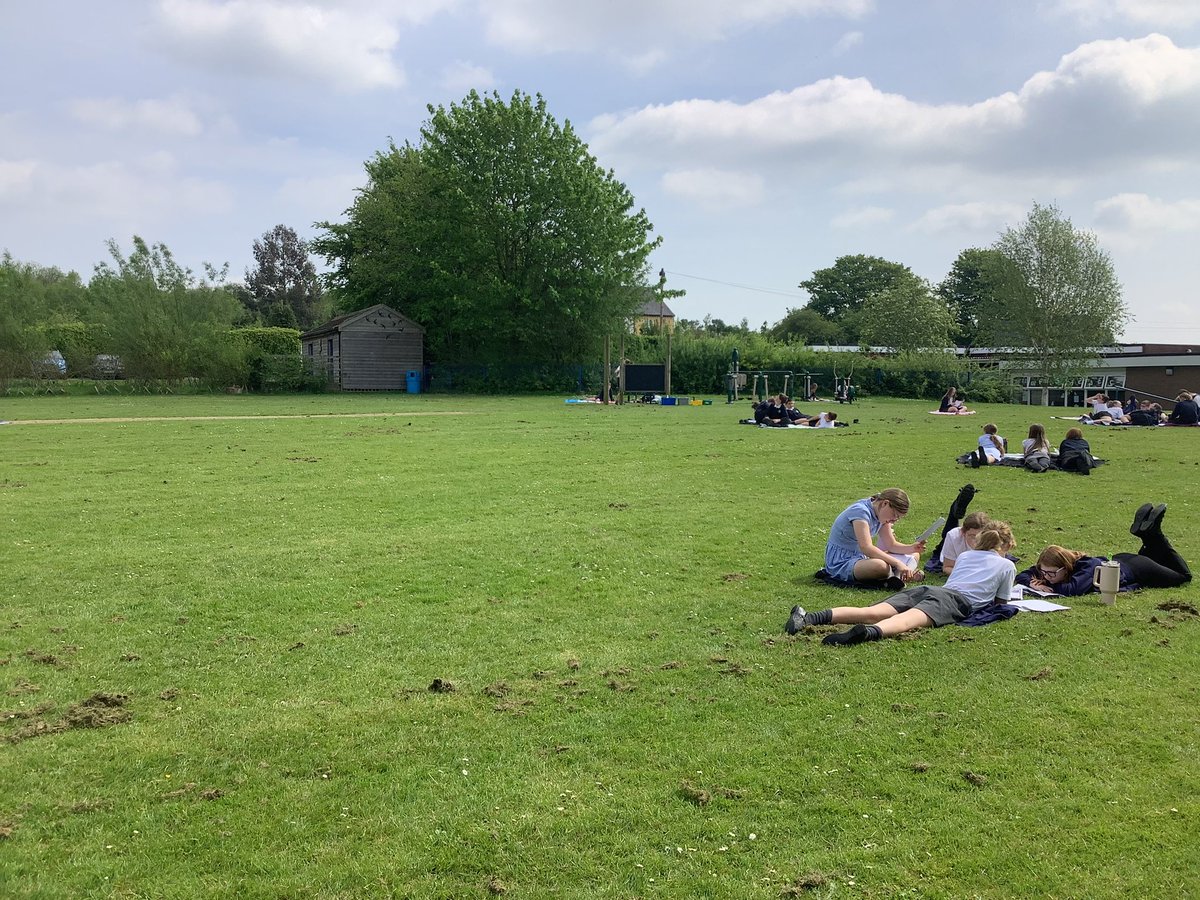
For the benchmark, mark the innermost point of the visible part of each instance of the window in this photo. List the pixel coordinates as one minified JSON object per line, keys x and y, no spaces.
{"x":330,"y":347}
{"x":1170,"y":371}
{"x":310,"y":348}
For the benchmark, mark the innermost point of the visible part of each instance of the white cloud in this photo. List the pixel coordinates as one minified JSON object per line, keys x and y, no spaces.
{"x":460,"y":77}
{"x":16,"y":178}
{"x":715,"y":189}
{"x":345,"y":44}
{"x":863,"y":217}
{"x":142,"y":190}
{"x":1142,"y":12}
{"x":847,"y":42}
{"x":171,"y":117}
{"x":1139,"y":212}
{"x":640,"y":27}
{"x":968,"y":218}
{"x":1132,"y":101}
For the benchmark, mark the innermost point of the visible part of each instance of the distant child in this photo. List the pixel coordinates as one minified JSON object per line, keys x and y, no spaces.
{"x":1035,"y":449}
{"x":991,"y":448}
{"x":1075,"y":454}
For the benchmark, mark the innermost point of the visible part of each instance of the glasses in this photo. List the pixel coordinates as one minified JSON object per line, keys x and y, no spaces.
{"x":1048,"y":574}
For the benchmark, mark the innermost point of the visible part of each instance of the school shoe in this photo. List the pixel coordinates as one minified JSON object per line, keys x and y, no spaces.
{"x":796,"y":621}
{"x":1139,"y":518}
{"x":1154,"y":519}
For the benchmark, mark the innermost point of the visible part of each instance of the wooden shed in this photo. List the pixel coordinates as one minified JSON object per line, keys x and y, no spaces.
{"x":369,"y":350}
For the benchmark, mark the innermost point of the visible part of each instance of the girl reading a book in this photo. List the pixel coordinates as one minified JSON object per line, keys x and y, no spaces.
{"x":1156,"y":565}
{"x":862,"y":546}
{"x":981,"y":577}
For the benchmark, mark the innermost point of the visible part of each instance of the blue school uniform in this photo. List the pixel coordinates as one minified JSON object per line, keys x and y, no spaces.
{"x":842,"y":552}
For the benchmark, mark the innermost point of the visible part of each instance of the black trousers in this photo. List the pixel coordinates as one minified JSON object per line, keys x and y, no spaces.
{"x":1158,"y":565}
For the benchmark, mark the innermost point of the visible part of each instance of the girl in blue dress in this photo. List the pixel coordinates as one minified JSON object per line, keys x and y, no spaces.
{"x":863,"y":547}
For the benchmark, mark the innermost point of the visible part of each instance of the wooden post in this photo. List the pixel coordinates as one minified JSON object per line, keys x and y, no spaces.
{"x":604,"y":394}
{"x":668,"y":372}
{"x":621,"y":377}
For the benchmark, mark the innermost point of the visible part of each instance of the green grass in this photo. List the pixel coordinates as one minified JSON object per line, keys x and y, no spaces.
{"x":605,"y":589}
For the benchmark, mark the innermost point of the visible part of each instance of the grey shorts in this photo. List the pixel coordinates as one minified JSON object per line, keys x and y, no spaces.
{"x":943,"y":606}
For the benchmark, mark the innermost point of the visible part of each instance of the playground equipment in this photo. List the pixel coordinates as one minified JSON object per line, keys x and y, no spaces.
{"x":761,"y":386}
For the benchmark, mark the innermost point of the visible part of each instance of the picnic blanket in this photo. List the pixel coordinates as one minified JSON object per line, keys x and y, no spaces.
{"x":1016,"y":461}
{"x":805,"y":427}
{"x":937,"y":412}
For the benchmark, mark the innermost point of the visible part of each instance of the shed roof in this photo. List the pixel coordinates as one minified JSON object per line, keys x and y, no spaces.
{"x":338,"y":323}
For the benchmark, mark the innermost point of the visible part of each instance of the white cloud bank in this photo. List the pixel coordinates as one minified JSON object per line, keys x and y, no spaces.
{"x":1129,"y":100}
{"x":1153,"y":13}
{"x":348,"y":44}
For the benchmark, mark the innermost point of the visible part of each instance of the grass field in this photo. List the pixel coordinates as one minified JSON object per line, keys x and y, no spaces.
{"x":219,"y":638}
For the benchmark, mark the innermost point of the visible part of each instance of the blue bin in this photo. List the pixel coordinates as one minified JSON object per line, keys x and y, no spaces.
{"x":413,"y":378}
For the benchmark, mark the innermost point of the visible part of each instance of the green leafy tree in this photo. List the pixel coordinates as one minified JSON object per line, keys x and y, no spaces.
{"x":971,"y":289}
{"x":283,"y":288}
{"x":499,"y":233}
{"x":806,"y":326}
{"x":162,"y":321}
{"x":906,"y":317}
{"x":839,"y":292}
{"x":36,"y":305}
{"x":1061,"y":301}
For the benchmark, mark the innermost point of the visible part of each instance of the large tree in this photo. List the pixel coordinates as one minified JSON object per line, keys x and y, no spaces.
{"x":499,"y":233}
{"x":283,"y":287}
{"x":839,"y":292}
{"x":1061,"y":299}
{"x":970,"y":290}
{"x":906,"y":317}
{"x":806,"y":326}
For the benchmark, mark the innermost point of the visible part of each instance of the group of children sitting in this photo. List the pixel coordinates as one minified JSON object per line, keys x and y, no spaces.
{"x":1107,"y":411}
{"x":1074,"y":454}
{"x":779,"y":410}
{"x":863,"y":551}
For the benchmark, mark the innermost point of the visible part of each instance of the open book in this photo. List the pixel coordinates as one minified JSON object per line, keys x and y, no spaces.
{"x":1030,"y":600}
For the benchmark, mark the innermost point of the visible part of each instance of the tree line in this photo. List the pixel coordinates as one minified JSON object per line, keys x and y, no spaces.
{"x":503,"y":237}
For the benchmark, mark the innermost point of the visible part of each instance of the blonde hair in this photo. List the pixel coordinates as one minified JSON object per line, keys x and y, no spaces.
{"x":975,"y":521}
{"x":996,"y":536}
{"x":1056,"y":557}
{"x":895,"y":498}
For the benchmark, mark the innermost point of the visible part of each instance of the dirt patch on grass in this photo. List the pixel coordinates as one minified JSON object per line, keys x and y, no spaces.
{"x":100,"y":710}
{"x":1178,"y":606}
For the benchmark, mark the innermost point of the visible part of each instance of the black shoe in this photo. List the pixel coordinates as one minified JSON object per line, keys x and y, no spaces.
{"x":1153,"y":520}
{"x":894,"y":583}
{"x":974,"y":461}
{"x":796,"y":621}
{"x":1139,"y":518}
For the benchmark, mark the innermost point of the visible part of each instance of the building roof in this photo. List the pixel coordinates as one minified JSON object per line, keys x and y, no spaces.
{"x":657,"y":309}
{"x":336,"y":324}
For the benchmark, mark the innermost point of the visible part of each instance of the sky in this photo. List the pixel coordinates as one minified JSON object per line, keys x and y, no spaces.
{"x":764,"y":138}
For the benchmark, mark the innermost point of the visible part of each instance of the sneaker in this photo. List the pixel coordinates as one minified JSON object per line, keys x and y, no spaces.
{"x":796,"y":621}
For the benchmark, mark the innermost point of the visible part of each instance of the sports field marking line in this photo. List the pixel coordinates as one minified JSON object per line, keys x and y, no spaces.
{"x":381,"y":415}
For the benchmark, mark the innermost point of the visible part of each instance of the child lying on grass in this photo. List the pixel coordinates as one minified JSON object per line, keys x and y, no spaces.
{"x":981,"y":577}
